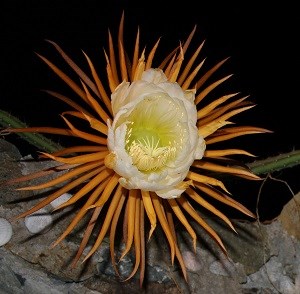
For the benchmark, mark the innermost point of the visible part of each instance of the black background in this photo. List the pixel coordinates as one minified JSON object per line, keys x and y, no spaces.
{"x":262,"y":42}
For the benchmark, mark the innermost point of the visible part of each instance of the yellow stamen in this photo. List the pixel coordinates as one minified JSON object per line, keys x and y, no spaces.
{"x":147,"y":155}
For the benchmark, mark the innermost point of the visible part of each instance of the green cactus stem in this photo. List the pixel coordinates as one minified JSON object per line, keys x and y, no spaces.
{"x":275,"y":163}
{"x":41,"y":142}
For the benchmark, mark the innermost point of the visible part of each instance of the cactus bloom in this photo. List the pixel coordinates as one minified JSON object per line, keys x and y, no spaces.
{"x":153,"y":139}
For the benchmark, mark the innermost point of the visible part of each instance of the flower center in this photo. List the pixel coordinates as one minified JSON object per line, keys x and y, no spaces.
{"x":148,"y":155}
{"x":154,"y":134}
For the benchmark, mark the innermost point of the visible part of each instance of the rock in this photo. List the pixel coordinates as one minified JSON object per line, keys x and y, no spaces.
{"x":290,"y":216}
{"x":262,"y":257}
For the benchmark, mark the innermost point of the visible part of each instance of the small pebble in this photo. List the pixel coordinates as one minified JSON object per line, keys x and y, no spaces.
{"x":5,"y":231}
{"x":191,"y":261}
{"x":38,"y":221}
{"x":60,"y":200}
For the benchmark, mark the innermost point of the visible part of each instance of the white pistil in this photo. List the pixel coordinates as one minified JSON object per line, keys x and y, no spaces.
{"x":148,"y":156}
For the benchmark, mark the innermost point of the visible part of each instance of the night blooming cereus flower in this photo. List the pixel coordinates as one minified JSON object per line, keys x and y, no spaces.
{"x":153,"y":139}
{"x":146,"y":154}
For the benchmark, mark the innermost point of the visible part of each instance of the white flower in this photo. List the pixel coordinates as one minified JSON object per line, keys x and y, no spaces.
{"x":153,"y":139}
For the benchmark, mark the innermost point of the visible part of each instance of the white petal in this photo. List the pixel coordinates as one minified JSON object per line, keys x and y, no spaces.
{"x":155,"y":76}
{"x":118,"y":97}
{"x":170,"y":193}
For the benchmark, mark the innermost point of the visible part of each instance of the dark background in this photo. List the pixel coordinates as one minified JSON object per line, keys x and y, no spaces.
{"x":261,"y":40}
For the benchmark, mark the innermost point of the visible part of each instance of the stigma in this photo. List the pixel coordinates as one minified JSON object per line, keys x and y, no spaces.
{"x":148,"y":155}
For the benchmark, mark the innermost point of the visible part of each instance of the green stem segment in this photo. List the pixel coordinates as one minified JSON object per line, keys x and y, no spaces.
{"x":264,"y":166}
{"x":41,"y":142}
{"x":275,"y":163}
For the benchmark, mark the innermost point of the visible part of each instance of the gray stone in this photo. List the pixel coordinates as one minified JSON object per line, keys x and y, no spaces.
{"x":261,"y":258}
